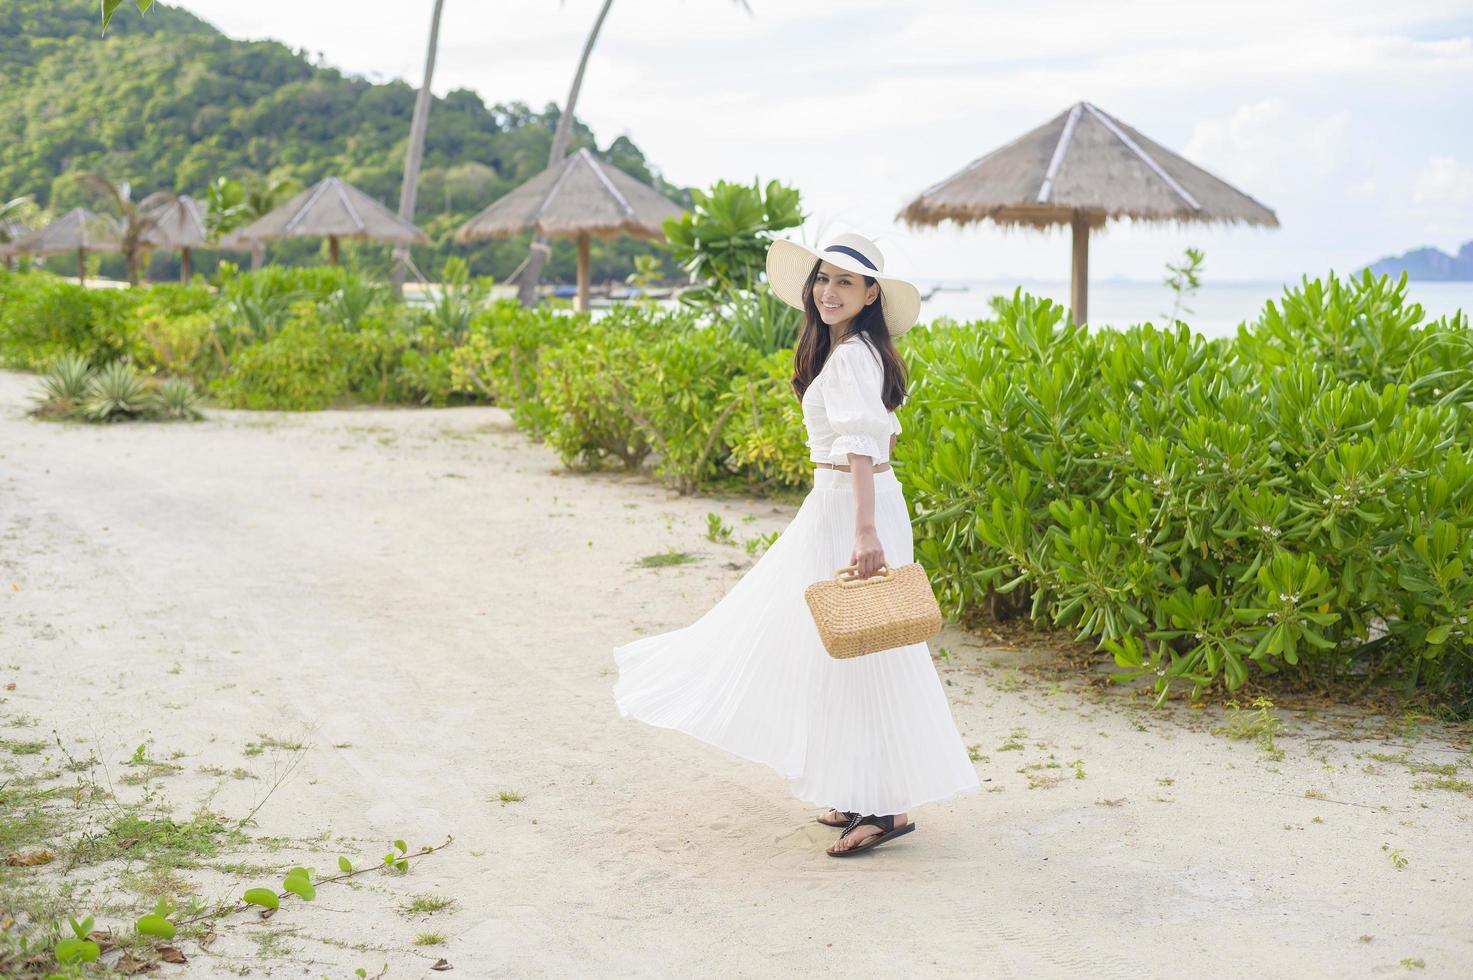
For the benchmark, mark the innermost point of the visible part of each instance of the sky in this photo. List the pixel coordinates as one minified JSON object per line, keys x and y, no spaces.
{"x":1350,"y":119}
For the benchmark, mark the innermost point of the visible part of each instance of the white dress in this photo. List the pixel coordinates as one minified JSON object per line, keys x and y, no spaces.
{"x":870,"y":734}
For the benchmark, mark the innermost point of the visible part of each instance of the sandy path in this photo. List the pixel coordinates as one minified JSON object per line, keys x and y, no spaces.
{"x":436,"y":599}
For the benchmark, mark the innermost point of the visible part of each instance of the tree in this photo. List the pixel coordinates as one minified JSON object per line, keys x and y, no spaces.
{"x":11,"y":226}
{"x":231,"y":205}
{"x":415,"y":153}
{"x":135,"y":220}
{"x":532,"y":272}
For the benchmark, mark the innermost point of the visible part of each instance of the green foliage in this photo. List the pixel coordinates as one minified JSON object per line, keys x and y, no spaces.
{"x":65,"y":386}
{"x":116,"y":393}
{"x":42,"y":317}
{"x":1298,"y":499}
{"x":110,"y":6}
{"x":635,"y":386}
{"x":765,"y":432}
{"x":500,"y":359}
{"x":1183,"y":279}
{"x":264,"y":897}
{"x":460,"y":299}
{"x":722,"y":243}
{"x":300,"y":367}
{"x":177,"y":398}
{"x":717,"y":530}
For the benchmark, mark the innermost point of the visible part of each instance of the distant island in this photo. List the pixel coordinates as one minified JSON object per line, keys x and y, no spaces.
{"x":1429,"y":264}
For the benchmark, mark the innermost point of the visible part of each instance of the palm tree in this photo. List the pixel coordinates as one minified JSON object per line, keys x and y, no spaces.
{"x":11,"y":227}
{"x":414,"y":155}
{"x":532,"y":270}
{"x":230,"y":204}
{"x":263,"y":197}
{"x":134,"y":220}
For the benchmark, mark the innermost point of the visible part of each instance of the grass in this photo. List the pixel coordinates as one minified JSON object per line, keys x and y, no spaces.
{"x":264,"y":742}
{"x":159,"y":881}
{"x":159,"y":839}
{"x":510,"y":796}
{"x":17,"y":746}
{"x":428,"y":904}
{"x":1449,"y":783}
{"x":666,"y":559}
{"x":429,"y":939}
{"x":1260,"y":725}
{"x":1014,"y":742}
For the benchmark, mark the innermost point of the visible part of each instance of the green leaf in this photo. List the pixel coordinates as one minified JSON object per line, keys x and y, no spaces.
{"x":264,"y":897}
{"x":155,"y":925}
{"x":108,"y":6}
{"x":344,"y":864}
{"x":1438,"y":635}
{"x":403,"y":847}
{"x":401,"y":865}
{"x":299,"y":885}
{"x":74,"y":951}
{"x":143,"y":6}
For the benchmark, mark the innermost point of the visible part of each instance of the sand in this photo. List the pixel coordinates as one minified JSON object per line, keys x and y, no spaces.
{"x":429,"y":601}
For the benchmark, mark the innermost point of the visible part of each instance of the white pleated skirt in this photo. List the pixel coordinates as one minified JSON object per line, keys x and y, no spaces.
{"x":871,"y":734}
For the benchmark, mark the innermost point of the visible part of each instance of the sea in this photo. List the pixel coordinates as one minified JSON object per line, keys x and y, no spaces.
{"x":1214,"y":310}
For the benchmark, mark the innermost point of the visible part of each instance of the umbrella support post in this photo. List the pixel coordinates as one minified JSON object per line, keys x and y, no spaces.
{"x":184,"y":265}
{"x":1079,"y":273}
{"x":332,"y":249}
{"x":583,"y":273}
{"x":81,"y":267}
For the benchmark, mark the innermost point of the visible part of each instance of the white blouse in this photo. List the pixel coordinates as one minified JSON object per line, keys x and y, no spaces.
{"x":843,"y":410}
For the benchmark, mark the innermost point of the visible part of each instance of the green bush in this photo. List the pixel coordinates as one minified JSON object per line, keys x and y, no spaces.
{"x":767,"y":442}
{"x":302,"y":367}
{"x":43,"y":317}
{"x":1298,"y":498}
{"x":499,"y":360}
{"x":582,"y":385}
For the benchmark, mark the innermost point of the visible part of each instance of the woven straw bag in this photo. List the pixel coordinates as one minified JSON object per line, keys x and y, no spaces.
{"x":856,"y":616}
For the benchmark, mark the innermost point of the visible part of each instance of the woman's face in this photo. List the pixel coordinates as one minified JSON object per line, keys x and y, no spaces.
{"x":840,"y":295}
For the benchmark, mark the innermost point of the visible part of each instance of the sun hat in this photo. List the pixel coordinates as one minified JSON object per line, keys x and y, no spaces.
{"x":789,"y":263}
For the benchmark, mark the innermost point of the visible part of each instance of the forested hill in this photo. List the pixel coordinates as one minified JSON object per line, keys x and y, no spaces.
{"x":166,"y":101}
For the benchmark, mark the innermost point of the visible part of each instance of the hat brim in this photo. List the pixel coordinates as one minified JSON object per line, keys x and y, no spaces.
{"x":788,"y":266}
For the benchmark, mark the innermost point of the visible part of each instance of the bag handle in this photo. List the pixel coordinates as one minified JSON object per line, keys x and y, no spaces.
{"x":852,"y":581}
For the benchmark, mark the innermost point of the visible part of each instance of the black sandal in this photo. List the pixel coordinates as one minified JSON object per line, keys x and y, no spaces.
{"x":844,"y":817}
{"x":886,"y":826}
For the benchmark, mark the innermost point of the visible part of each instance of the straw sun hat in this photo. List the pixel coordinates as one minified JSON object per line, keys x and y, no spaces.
{"x":789,"y":263}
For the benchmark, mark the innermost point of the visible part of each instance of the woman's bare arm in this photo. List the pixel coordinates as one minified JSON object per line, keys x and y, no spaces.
{"x":868,"y":553}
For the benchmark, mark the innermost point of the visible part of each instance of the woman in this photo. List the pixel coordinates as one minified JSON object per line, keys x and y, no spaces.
{"x":871,"y":737}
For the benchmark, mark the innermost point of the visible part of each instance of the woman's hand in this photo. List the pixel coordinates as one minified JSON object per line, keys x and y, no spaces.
{"x":868,"y":554}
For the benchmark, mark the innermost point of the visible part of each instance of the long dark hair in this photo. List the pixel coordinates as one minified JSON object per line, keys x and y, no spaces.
{"x":813,"y":344}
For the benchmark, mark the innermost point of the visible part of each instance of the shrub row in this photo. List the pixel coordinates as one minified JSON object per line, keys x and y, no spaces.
{"x":1298,"y":497}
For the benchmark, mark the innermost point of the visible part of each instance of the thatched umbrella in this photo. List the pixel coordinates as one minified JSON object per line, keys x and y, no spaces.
{"x":10,"y":233}
{"x":177,"y":223}
{"x":331,"y":209}
{"x":1082,"y":168}
{"x":80,"y":231}
{"x":580,"y":197}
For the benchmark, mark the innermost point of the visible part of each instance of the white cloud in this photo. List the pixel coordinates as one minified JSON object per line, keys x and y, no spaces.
{"x":1444,"y":183}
